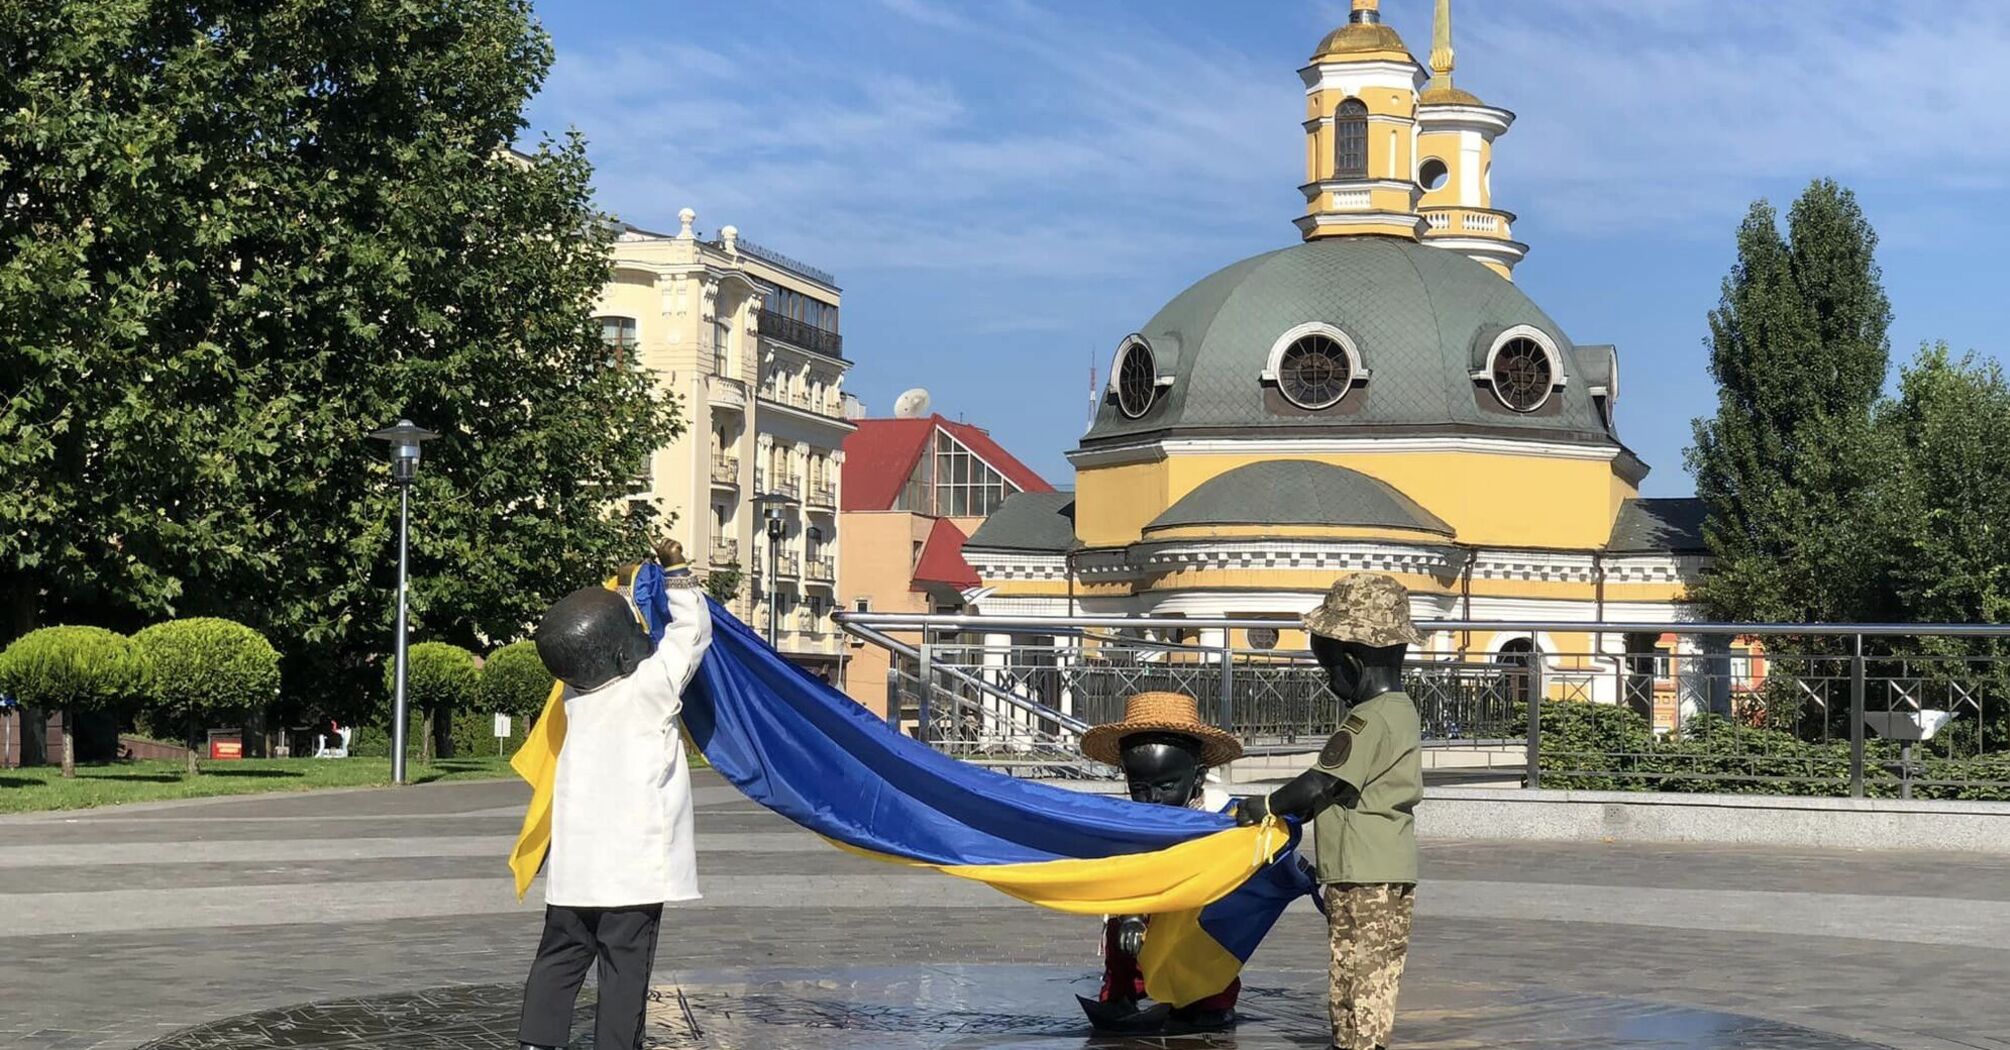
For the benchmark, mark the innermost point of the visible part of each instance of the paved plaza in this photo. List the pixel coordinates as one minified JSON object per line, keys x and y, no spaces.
{"x":385,"y":919}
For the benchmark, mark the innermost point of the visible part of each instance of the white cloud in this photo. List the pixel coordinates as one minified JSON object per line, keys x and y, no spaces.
{"x":1645,"y":116}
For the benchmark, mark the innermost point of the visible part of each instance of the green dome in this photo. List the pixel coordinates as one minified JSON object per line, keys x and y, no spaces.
{"x":1298,"y":492}
{"x":1422,"y":320}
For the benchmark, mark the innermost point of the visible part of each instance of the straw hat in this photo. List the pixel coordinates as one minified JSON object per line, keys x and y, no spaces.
{"x":1161,"y":713}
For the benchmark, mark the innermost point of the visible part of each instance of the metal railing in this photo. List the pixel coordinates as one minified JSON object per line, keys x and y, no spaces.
{"x":725,"y":470}
{"x":1823,"y":709}
{"x":802,"y":334}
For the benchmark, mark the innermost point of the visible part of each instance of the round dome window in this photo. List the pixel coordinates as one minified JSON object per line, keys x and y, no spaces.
{"x":1137,"y":379}
{"x":1314,"y":372}
{"x":1523,"y":374}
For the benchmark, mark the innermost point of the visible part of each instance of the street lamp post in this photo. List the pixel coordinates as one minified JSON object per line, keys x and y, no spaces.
{"x":771,"y":505}
{"x":404,"y":440}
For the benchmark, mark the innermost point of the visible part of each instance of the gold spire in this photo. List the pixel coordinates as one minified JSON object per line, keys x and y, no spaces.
{"x":1441,"y":90}
{"x":1373,"y":9}
{"x":1441,"y":43}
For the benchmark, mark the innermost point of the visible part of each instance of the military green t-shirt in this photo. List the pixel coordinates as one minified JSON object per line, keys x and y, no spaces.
{"x":1376,"y":751}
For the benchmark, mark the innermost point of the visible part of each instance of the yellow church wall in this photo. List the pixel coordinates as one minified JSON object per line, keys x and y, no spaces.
{"x":1112,"y":504}
{"x":1488,"y":498}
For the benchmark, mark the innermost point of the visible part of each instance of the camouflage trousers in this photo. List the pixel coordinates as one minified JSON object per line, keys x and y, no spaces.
{"x":1370,"y":927}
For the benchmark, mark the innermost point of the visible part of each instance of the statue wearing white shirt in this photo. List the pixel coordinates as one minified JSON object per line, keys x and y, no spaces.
{"x":621,"y":827}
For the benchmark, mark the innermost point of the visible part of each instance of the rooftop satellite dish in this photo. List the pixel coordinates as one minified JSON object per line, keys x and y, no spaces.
{"x":911,"y":405}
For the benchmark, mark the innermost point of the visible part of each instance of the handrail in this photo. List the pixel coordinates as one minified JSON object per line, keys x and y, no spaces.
{"x":1046,"y":624}
{"x":1065,"y":721}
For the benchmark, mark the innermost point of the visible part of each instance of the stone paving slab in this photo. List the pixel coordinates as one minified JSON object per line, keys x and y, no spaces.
{"x":1794,"y":937}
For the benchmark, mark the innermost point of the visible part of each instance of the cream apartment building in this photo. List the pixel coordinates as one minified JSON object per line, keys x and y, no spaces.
{"x":748,"y":342}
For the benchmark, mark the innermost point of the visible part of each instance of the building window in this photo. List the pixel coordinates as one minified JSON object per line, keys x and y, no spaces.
{"x":1432,"y":173}
{"x":1314,"y":372}
{"x":722,"y":343}
{"x":1263,"y":638}
{"x":1350,"y":140}
{"x":863,"y":605}
{"x":1137,"y":377}
{"x":1523,"y":368}
{"x":1521,"y":661}
{"x":618,"y":335}
{"x":951,"y":481}
{"x":1314,"y":365}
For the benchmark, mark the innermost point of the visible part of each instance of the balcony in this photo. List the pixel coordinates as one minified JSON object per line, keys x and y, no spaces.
{"x":1467,"y":222}
{"x":796,"y":333}
{"x":725,"y":470}
{"x":768,"y":482}
{"x":788,"y":567}
{"x":822,"y":570}
{"x":725,"y":552}
{"x":822,"y":494}
{"x":726,"y":392}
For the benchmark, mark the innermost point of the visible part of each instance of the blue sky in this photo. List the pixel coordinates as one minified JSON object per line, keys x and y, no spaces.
{"x":1005,"y":189}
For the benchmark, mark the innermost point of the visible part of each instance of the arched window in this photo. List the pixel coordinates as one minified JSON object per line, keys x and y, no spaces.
{"x":1520,"y":662}
{"x":1350,"y":139}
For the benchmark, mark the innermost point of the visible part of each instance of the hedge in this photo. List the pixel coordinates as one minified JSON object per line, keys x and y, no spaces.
{"x":440,"y":678}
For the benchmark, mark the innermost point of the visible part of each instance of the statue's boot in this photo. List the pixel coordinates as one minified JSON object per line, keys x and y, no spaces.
{"x":1188,"y":1019}
{"x":1125,"y":1018}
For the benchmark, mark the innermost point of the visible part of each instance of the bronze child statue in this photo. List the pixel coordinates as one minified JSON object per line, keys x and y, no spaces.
{"x":1165,"y":751}
{"x":1360,"y":795}
{"x":621,"y":821}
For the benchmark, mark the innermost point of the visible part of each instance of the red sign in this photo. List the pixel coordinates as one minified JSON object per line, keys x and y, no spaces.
{"x":227,"y":750}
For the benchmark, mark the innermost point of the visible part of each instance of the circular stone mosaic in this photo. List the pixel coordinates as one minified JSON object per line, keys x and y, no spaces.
{"x":987,"y":1007}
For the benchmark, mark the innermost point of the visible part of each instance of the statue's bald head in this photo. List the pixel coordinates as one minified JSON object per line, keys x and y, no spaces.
{"x":590,"y":638}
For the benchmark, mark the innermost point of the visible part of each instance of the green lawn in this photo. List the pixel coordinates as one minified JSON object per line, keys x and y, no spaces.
{"x":43,"y":787}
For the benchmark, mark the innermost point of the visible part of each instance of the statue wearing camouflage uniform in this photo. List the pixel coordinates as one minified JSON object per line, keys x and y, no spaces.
{"x":1360,"y":795}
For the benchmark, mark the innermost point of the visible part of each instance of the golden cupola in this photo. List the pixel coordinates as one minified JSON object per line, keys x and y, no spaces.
{"x":1394,"y":150}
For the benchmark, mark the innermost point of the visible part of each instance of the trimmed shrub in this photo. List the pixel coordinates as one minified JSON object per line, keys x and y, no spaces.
{"x":514,"y":681}
{"x":73,"y":670}
{"x":202,"y":669}
{"x":440,"y":677}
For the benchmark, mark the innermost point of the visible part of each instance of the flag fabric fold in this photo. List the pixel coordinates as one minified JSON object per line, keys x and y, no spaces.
{"x":806,"y":751}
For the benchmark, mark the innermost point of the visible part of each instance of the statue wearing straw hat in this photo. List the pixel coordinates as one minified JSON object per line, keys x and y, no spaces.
{"x":1359,"y":796}
{"x":1165,"y":751}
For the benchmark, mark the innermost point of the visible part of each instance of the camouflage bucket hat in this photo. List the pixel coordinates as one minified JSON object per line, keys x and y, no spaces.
{"x":1368,"y":608}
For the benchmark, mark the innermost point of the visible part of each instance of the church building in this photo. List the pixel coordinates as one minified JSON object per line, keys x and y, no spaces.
{"x":1380,"y":397}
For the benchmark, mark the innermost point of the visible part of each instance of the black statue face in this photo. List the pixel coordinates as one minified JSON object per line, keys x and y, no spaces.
{"x":1357,"y":672}
{"x":1163,"y":767}
{"x":590,"y":638}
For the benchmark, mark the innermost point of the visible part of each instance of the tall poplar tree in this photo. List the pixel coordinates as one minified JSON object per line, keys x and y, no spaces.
{"x":235,"y":237}
{"x":1788,"y":462}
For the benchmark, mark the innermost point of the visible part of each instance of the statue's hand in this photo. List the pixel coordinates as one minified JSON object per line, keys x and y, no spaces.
{"x":1251,"y":810}
{"x":1131,"y":934}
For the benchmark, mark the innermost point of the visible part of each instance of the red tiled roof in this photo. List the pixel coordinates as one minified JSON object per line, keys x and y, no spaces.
{"x":942,"y":559}
{"x":880,"y":456}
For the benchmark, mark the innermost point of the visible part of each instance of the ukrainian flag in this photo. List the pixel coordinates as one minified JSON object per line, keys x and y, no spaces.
{"x":808,"y":752}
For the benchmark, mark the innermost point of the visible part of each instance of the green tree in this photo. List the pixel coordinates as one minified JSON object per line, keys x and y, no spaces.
{"x":72,"y":670}
{"x":723,"y":584}
{"x":205,"y":668}
{"x":1944,"y":510}
{"x":514,"y":681}
{"x":1787,"y":463}
{"x":439,"y":678}
{"x":237,"y":235}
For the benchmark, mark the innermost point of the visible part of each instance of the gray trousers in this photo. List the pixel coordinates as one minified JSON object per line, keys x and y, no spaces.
{"x":623,"y":941}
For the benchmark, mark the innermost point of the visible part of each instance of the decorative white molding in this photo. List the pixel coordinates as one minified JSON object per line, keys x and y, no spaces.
{"x":1152,"y":451}
{"x":1356,"y":372}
